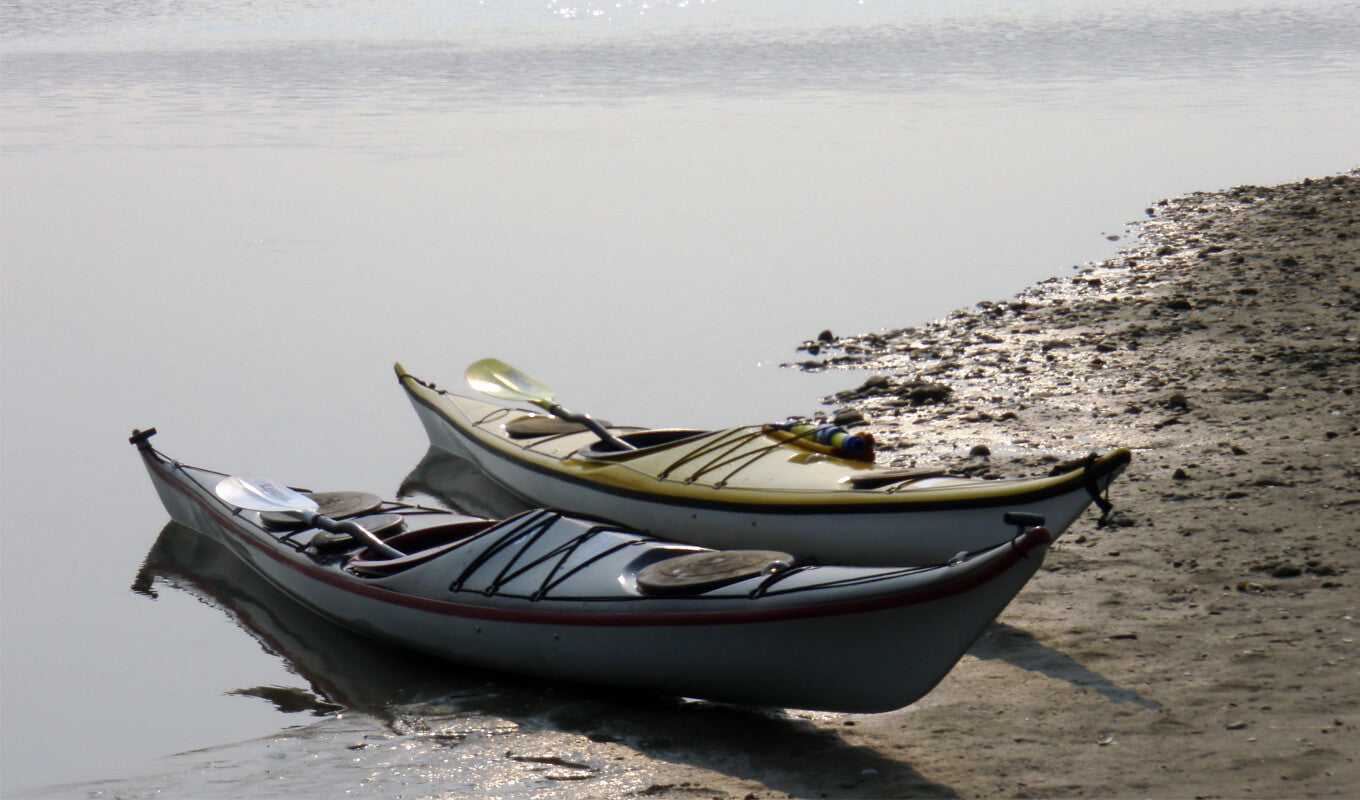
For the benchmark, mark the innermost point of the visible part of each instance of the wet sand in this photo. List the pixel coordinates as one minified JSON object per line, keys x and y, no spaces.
{"x":1204,"y":644}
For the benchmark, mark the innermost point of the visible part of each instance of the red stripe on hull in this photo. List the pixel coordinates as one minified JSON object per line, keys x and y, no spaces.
{"x":996,"y":566}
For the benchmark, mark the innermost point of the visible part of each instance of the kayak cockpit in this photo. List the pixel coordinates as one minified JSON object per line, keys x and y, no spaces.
{"x":640,"y":440}
{"x":418,"y":545}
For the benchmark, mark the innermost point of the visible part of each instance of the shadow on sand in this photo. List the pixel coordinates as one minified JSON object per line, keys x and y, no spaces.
{"x":1001,"y":642}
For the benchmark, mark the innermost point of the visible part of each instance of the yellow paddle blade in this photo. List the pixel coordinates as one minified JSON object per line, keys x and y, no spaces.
{"x":499,"y":379}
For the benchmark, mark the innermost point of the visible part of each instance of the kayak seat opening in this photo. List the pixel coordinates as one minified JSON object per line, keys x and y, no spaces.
{"x":420,"y":546}
{"x":645,"y":439}
{"x":425,"y":538}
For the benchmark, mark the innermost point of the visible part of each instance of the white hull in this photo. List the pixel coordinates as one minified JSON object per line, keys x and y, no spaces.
{"x":836,"y":638}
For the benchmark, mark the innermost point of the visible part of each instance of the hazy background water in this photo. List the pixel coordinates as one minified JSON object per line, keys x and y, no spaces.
{"x":227,"y":219}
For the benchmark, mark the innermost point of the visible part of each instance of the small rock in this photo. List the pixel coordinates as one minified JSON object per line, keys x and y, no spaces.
{"x":875,"y":385}
{"x":1236,"y":726}
{"x":1180,"y":474}
{"x":924,"y":392}
{"x":826,"y":336}
{"x":1176,"y":401}
{"x":980,"y":451}
{"x":1286,"y":571}
{"x":1119,"y":519}
{"x":847,"y":416}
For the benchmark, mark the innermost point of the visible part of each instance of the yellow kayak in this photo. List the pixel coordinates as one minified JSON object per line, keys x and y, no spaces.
{"x":749,"y":487}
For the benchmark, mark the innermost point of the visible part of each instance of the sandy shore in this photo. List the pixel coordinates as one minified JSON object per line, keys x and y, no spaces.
{"x":1204,"y":644}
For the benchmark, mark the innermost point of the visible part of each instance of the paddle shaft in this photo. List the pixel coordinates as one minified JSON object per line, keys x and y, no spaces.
{"x":588,"y":421}
{"x":354,"y":529}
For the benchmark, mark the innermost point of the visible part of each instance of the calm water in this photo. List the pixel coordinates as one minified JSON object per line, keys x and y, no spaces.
{"x":227,"y":219}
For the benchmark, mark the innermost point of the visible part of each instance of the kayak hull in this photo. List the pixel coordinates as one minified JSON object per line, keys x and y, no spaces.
{"x":854,"y":639}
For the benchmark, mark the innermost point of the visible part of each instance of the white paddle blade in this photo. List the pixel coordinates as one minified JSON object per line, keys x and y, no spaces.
{"x":499,"y":379}
{"x":262,"y":494}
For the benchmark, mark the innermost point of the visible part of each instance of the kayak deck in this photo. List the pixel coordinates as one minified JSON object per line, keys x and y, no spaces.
{"x":747,"y":463}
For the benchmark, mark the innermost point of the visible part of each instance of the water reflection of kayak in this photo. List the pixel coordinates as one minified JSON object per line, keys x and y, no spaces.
{"x":459,"y":484}
{"x":568,"y":598}
{"x":342,"y":668}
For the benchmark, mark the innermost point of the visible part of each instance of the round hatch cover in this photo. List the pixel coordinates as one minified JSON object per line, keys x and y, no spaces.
{"x":699,"y":572}
{"x":336,"y":505}
{"x":539,"y":425}
{"x":382,"y":523}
